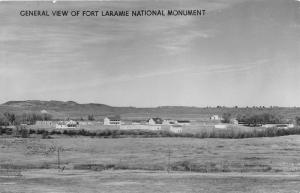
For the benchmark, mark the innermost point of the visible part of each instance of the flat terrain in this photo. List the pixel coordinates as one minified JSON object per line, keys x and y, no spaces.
{"x":217,"y":165}
{"x":277,"y":154}
{"x":74,"y":181}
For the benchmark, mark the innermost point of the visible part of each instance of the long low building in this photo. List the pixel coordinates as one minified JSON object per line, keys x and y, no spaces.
{"x":141,"y":127}
{"x":116,"y":120}
{"x":281,"y":126}
{"x":66,"y":125}
{"x":171,"y":128}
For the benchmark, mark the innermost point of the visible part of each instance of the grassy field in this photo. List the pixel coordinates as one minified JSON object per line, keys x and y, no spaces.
{"x":140,"y":164}
{"x":277,"y":154}
{"x":50,"y":181}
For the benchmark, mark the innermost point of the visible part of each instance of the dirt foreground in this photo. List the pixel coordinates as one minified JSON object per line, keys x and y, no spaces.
{"x":79,"y":181}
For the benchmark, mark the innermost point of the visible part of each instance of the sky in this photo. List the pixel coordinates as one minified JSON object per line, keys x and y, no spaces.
{"x":242,"y":52}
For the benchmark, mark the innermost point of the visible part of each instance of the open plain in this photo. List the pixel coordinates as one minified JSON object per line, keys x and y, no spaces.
{"x":142,"y":164}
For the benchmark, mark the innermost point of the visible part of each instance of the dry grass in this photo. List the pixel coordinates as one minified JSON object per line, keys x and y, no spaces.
{"x":278,"y":154}
{"x":232,"y":165}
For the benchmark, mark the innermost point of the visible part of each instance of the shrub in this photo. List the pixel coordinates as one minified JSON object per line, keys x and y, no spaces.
{"x":21,"y":131}
{"x":24,"y":133}
{"x":45,"y":135}
{"x":55,"y":132}
{"x":7,"y":131}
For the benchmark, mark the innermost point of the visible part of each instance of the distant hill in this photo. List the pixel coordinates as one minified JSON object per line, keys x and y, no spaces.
{"x":71,"y":109}
{"x":34,"y":105}
{"x":59,"y":109}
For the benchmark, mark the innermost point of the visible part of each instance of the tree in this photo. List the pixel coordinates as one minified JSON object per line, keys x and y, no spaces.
{"x":259,"y":119}
{"x":10,"y":117}
{"x":46,"y":117}
{"x":297,"y":120}
{"x":3,"y":120}
{"x":226,"y":117}
{"x":22,"y":132}
{"x":91,"y":117}
{"x":31,"y":118}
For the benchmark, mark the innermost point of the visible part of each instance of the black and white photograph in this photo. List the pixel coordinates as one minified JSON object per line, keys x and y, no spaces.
{"x":150,"y":96}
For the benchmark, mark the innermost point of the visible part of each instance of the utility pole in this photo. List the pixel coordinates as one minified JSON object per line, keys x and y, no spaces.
{"x":169,"y":160}
{"x":58,"y":159}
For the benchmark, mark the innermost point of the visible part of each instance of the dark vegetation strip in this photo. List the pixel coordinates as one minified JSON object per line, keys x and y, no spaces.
{"x":109,"y":133}
{"x":185,"y":165}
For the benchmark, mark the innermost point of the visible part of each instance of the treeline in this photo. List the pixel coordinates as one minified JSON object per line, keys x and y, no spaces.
{"x":259,"y":119}
{"x":256,"y":119}
{"x":9,"y":118}
{"x":108,"y":133}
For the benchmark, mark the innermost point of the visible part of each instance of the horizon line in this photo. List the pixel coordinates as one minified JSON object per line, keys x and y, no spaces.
{"x":159,"y":106}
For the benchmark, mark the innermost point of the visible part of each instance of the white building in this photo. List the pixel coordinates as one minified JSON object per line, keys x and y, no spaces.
{"x":44,"y":111}
{"x":66,"y":124}
{"x":138,"y":122}
{"x":169,"y":122}
{"x":116,"y":120}
{"x":141,"y":127}
{"x":85,"y":123}
{"x":44,"y":123}
{"x":280,"y":126}
{"x":220,"y":126}
{"x":234,"y":121}
{"x":155,"y":121}
{"x":216,"y":118}
{"x":176,"y":128}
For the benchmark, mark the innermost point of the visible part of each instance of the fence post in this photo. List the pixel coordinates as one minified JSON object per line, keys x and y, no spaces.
{"x":169,"y":160}
{"x":58,"y":158}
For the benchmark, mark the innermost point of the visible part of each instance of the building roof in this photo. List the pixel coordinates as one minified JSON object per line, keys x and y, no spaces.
{"x":137,"y":121}
{"x":177,"y":126}
{"x":72,"y":122}
{"x":183,"y":121}
{"x":157,"y":120}
{"x":44,"y":111}
{"x":115,"y":118}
